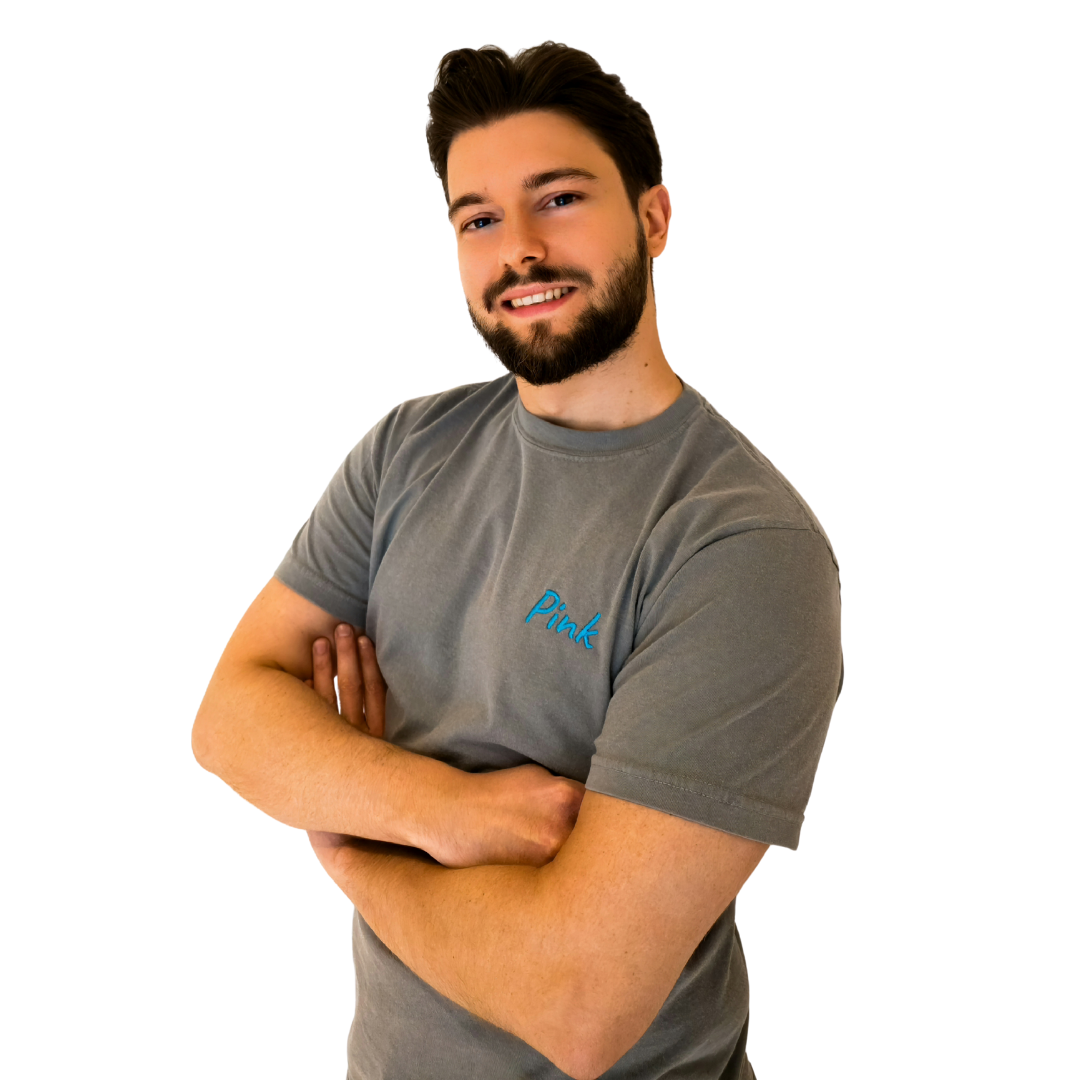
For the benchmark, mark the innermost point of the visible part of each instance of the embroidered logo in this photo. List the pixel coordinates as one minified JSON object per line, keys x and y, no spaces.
{"x":551,"y":604}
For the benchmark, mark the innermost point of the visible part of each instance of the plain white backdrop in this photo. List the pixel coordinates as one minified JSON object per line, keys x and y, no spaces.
{"x":224,"y":255}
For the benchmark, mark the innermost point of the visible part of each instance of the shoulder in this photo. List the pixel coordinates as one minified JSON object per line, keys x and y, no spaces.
{"x":437,"y":422}
{"x":459,"y":404}
{"x":723,"y":491}
{"x":732,"y":487}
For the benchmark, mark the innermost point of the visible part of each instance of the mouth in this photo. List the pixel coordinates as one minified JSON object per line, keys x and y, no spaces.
{"x":541,"y":301}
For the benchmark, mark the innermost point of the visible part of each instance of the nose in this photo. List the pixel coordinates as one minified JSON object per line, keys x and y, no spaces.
{"x":522,"y":244}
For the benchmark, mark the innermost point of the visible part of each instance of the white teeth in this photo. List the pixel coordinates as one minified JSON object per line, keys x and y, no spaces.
{"x":539,"y":298}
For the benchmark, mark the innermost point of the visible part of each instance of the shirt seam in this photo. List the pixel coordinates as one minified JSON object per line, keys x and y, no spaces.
{"x":603,"y":455}
{"x":808,"y":528}
{"x":786,"y":484}
{"x":293,"y":562}
{"x":727,"y":798}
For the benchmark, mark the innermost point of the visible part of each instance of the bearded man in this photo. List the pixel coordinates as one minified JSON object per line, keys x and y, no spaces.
{"x":607,"y":628}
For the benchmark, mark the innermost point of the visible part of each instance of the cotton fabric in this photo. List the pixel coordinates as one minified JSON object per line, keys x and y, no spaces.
{"x":653,"y":611}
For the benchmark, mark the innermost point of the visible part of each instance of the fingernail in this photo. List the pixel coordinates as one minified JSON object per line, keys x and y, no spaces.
{"x":344,"y":630}
{"x":365,"y":643}
{"x":321,"y":645}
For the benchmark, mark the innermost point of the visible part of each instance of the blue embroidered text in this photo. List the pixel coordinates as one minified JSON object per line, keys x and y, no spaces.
{"x":551,"y":604}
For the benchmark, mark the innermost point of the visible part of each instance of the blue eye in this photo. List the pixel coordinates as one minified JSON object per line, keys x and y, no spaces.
{"x":476,"y":223}
{"x":555,"y":200}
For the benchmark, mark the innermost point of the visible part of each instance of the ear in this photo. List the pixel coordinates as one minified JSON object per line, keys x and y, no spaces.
{"x":654,"y":208}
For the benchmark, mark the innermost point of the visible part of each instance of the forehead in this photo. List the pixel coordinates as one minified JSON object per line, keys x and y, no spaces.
{"x":505,"y":152}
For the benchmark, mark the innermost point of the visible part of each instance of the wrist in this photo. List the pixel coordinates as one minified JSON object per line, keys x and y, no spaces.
{"x":438,"y":797}
{"x":444,"y":813}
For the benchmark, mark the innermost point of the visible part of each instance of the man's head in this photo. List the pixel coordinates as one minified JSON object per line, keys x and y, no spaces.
{"x":552,"y":174}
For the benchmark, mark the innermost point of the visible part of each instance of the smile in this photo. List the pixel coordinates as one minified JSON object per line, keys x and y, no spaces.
{"x":540,"y":302}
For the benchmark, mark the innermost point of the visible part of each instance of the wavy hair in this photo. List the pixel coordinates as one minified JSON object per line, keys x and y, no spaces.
{"x":475,"y":87}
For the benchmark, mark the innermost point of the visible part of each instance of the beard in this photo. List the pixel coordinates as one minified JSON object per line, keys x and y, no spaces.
{"x":604,"y":328}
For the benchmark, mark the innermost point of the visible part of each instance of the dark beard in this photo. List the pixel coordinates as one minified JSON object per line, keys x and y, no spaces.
{"x":602,"y":329}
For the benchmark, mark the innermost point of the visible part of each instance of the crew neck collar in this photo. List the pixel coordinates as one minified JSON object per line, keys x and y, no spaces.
{"x":570,"y":440}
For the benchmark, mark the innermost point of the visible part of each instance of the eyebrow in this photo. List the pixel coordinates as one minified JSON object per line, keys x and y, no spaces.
{"x":530,"y":183}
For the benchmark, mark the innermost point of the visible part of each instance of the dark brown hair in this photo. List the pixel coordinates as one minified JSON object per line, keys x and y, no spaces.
{"x":475,"y":87}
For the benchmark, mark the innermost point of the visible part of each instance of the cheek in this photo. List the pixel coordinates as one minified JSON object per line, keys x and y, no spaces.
{"x":472,"y":277}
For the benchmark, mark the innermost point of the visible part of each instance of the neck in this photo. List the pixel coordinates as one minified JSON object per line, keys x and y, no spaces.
{"x":629,"y":388}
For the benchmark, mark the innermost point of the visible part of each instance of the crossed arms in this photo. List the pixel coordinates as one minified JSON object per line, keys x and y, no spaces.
{"x":560,"y":915}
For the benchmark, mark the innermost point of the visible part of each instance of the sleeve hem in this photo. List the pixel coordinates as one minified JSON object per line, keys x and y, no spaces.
{"x":694,"y":802}
{"x":314,"y":587}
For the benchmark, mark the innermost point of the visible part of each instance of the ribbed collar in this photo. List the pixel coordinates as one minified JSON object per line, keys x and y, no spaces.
{"x":568,"y":440}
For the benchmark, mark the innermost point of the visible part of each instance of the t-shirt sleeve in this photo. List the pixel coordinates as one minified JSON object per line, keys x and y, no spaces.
{"x":330,"y":559}
{"x":720,"y":711}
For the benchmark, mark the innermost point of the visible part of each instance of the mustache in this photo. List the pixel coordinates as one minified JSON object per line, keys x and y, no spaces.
{"x":538,"y":275}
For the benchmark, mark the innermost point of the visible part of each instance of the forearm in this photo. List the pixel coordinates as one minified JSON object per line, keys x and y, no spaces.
{"x":285,"y":750}
{"x":490,"y":938}
{"x":576,"y":957}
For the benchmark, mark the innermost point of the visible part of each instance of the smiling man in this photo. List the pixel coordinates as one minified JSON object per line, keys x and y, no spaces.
{"x":607,"y":628}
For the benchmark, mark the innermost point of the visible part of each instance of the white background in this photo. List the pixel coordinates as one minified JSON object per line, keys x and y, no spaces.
{"x":224,"y":255}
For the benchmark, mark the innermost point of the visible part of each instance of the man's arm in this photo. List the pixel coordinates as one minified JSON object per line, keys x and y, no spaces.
{"x":576,"y":957}
{"x":285,"y":749}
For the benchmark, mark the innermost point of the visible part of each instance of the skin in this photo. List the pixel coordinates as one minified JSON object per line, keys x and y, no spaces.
{"x":562,"y":916}
{"x":516,"y":227}
{"x":279,"y":745}
{"x":575,"y":956}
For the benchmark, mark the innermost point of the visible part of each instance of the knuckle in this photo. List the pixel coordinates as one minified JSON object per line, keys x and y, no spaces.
{"x":553,"y":841}
{"x":567,"y":796}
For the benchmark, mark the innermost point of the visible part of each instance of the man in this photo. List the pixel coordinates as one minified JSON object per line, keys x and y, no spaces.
{"x":607,"y":627}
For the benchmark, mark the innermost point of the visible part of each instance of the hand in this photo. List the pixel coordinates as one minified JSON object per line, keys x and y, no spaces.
{"x":520,"y":816}
{"x":362,"y":690}
{"x":361,"y":686}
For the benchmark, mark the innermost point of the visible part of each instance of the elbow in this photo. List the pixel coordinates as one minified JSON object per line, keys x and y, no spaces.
{"x":578,"y":1064}
{"x":593,"y":1041}
{"x":588,"y":1055}
{"x":219,"y":739}
{"x":589,"y":1011}
{"x":207,"y":739}
{"x":203,"y":743}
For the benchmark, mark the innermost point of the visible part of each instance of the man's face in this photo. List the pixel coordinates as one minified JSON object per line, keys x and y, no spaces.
{"x":543,"y":221}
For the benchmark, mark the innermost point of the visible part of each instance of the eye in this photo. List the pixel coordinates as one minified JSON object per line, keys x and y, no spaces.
{"x":562,"y":200}
{"x":477,"y":223}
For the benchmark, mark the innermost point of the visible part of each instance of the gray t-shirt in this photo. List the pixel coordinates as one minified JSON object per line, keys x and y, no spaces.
{"x":653,"y":611}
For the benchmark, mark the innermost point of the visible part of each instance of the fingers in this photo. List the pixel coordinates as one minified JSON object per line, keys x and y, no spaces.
{"x":361,"y":689}
{"x":374,"y":689}
{"x":350,"y":678}
{"x":323,"y":672}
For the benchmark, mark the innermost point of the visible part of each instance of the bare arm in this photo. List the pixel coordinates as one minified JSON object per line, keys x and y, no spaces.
{"x":284,"y":748}
{"x":576,"y":957}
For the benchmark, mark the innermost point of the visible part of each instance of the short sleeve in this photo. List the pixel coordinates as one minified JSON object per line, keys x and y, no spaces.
{"x":329,"y":561}
{"x":720,"y":712}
